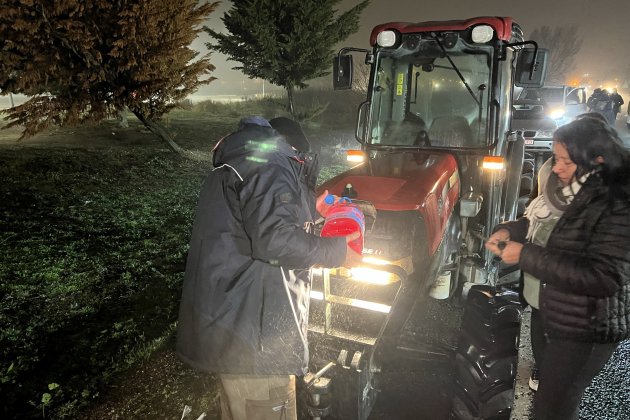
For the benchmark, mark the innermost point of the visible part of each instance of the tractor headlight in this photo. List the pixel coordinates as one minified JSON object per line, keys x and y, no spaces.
{"x":371,"y":275}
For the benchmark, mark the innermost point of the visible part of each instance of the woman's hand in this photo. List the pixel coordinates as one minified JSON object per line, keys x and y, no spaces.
{"x":500,"y":245}
{"x":511,"y":253}
{"x":501,"y":235}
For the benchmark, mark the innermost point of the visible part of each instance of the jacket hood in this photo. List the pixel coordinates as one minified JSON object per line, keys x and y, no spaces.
{"x":250,"y":147}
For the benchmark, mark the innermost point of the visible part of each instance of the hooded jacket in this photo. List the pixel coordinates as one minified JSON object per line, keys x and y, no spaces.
{"x":244,"y":306}
{"x":585,"y":267}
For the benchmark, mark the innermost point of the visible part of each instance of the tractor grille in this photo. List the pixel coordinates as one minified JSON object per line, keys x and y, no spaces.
{"x":354,"y":308}
{"x":349,"y":309}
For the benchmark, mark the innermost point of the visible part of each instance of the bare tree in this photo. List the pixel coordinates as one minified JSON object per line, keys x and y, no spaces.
{"x":563,"y":44}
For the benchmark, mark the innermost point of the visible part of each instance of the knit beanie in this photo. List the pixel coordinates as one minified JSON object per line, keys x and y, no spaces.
{"x":292,"y":132}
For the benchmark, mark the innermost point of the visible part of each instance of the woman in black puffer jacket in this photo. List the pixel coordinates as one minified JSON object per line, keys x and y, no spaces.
{"x":576,"y":266}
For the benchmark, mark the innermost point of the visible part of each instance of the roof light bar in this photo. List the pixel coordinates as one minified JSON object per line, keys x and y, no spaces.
{"x":482,"y":34}
{"x":386,"y":39}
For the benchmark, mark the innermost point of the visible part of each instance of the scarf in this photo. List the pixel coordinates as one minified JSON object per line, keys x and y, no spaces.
{"x":552,"y":202}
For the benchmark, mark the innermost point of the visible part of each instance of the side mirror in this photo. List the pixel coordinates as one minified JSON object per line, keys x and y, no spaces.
{"x":530,"y":73}
{"x":342,"y":72}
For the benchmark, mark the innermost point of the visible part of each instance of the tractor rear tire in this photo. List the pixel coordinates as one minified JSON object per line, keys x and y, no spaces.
{"x":486,"y":358}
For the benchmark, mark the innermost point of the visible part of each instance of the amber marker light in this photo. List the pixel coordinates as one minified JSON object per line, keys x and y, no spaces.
{"x":356,"y":156}
{"x":493,"y":163}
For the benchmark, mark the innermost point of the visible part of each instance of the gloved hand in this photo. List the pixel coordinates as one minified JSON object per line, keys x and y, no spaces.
{"x":322,"y":206}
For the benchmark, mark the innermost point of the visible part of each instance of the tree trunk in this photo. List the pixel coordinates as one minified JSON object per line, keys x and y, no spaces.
{"x":159,"y":131}
{"x":291,"y":105}
{"x":122,"y":118}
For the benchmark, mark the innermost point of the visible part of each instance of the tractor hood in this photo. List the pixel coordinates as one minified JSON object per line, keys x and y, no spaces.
{"x":425,"y":182}
{"x":402,"y":180}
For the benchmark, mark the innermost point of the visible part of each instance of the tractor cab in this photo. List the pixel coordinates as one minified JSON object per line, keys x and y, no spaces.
{"x":431,"y":96}
{"x":441,"y":167}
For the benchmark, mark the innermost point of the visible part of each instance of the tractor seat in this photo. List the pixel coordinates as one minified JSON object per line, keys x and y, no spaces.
{"x":450,"y":131}
{"x":405,"y":132}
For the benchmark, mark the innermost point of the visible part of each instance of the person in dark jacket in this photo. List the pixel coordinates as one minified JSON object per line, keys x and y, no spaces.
{"x":573,"y":247}
{"x":600,"y":101}
{"x":244,"y":306}
{"x":617,"y":101}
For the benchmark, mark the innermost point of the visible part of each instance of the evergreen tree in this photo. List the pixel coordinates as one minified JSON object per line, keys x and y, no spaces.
{"x":285,"y":42}
{"x":83,"y":60}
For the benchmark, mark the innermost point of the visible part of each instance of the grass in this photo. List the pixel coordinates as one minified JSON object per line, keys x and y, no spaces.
{"x":92,"y":253}
{"x":93,"y":242}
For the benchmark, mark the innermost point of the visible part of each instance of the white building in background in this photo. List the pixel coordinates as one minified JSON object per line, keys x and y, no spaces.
{"x":5,"y":100}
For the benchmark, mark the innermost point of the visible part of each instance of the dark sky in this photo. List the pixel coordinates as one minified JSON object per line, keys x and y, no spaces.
{"x":604,"y":26}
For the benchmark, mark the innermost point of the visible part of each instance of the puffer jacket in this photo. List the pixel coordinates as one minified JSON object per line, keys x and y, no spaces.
{"x":244,"y":306}
{"x":585,"y":267}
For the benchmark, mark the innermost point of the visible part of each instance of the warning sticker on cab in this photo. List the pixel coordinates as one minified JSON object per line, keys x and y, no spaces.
{"x":400,"y":81}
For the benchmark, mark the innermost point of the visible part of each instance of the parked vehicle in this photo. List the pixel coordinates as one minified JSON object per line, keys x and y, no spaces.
{"x":441,"y":168}
{"x":538,"y":112}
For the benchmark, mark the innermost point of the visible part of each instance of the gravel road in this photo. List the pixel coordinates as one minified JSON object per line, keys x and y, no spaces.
{"x":608,"y":397}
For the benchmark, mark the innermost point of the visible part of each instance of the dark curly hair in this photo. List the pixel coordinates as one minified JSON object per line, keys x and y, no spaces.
{"x":587,"y":139}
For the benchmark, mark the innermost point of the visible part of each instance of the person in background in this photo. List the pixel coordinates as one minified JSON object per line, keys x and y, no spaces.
{"x":573,"y":247}
{"x":590,"y":102}
{"x":617,"y":101}
{"x":600,"y":101}
{"x":244,"y":306}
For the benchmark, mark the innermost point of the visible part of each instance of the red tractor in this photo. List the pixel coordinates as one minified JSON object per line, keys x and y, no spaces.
{"x":441,"y":167}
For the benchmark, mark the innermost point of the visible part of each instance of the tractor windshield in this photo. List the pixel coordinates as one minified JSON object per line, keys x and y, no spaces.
{"x":433,"y":95}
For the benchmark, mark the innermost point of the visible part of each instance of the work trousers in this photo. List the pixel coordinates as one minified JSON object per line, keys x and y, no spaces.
{"x":566,"y":369}
{"x":257,"y":397}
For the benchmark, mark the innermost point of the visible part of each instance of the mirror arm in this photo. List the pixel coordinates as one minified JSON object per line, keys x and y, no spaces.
{"x":345,"y":50}
{"x":535,"y":44}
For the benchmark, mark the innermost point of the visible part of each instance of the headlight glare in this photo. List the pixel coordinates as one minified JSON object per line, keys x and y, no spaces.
{"x":556,"y":114}
{"x":372,"y":276}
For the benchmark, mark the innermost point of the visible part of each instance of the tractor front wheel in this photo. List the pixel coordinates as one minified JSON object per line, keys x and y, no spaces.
{"x":486,"y":358}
